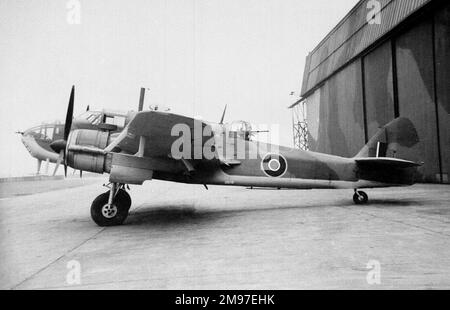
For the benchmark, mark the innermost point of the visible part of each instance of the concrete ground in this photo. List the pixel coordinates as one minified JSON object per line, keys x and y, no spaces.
{"x":184,"y":237}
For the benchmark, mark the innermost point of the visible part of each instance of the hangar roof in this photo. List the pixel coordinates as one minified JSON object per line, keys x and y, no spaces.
{"x":352,"y":36}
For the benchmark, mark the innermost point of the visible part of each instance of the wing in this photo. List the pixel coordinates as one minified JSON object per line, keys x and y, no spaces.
{"x":145,"y":146}
{"x":159,"y":130}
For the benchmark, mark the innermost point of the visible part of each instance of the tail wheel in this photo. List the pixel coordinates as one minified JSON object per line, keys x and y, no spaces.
{"x":360,"y":198}
{"x":104,"y":214}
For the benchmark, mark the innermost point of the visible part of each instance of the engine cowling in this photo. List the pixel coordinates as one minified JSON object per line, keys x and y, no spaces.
{"x":85,"y":150}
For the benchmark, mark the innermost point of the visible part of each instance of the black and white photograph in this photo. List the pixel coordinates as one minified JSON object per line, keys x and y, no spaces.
{"x":245,"y":147}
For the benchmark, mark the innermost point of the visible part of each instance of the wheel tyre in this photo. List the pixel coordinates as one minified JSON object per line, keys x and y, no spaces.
{"x":121,"y":203}
{"x":360,"y":198}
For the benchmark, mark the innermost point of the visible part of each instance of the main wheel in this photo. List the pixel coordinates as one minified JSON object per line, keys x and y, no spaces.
{"x":360,"y":198}
{"x":110,"y":215}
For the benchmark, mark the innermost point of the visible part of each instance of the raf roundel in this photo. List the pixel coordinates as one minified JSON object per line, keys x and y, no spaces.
{"x":274,"y":165}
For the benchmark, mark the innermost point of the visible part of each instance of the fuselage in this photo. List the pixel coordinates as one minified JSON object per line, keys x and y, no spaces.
{"x":268,"y":165}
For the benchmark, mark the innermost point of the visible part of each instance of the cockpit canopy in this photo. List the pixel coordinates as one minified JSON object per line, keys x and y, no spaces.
{"x":46,"y":131}
{"x":240,"y":126}
{"x":241,"y":129}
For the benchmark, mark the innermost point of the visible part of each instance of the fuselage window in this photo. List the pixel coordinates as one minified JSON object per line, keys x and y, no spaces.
{"x":109,"y":120}
{"x":119,"y":121}
{"x":49,"y":133}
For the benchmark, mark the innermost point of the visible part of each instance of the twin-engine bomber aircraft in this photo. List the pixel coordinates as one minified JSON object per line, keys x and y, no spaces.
{"x":150,"y":147}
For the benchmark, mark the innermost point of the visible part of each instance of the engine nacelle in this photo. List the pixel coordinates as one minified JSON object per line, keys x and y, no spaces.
{"x":85,"y":150}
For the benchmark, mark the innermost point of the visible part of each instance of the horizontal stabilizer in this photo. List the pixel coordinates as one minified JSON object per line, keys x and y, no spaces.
{"x":387,"y":162}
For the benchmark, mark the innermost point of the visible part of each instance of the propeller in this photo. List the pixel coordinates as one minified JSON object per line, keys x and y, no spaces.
{"x":59,"y":146}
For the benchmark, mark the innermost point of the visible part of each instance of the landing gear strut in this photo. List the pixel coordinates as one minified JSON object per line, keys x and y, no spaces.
{"x":360,"y":197}
{"x":111,"y":208}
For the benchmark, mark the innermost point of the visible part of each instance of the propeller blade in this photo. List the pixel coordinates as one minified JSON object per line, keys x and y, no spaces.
{"x":69,"y":115}
{"x":58,"y":162}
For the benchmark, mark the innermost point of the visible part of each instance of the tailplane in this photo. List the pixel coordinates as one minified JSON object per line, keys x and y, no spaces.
{"x":386,"y":162}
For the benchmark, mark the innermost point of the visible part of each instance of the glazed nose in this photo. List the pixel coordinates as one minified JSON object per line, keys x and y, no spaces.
{"x":27,"y":133}
{"x":26,"y":137}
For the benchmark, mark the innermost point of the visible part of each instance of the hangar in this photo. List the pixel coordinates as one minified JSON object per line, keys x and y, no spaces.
{"x":385,"y":59}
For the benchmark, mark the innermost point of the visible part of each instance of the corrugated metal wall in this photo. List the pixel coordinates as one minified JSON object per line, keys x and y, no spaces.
{"x":442,"y":51}
{"x":408,"y":76}
{"x":352,"y":36}
{"x":414,"y":51}
{"x":379,"y":88}
{"x":337,"y":104}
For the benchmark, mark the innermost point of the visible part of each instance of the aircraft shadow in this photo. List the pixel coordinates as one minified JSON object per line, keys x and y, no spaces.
{"x":386,"y":203}
{"x":166,"y":215}
{"x":188,"y":214}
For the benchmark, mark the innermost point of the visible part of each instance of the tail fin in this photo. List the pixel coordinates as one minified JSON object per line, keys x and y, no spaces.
{"x":379,"y":160}
{"x":400,"y":133}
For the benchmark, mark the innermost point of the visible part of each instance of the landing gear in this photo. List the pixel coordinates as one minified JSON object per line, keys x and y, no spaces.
{"x":360,"y":197}
{"x":111,"y":208}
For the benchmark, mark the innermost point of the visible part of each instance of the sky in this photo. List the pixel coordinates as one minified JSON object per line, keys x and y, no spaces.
{"x":194,"y":56}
